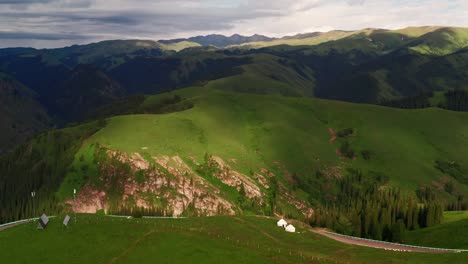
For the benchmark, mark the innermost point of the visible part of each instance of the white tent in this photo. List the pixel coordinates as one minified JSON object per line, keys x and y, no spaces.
{"x":282,"y":223}
{"x":291,"y":229}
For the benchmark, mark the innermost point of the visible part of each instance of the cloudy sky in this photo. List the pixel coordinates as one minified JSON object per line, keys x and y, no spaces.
{"x":56,"y":23}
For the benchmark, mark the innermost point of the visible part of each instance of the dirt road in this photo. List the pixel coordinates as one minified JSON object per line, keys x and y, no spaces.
{"x":380,"y":244}
{"x":13,"y":225}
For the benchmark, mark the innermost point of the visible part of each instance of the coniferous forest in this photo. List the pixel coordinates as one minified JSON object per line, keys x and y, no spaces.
{"x":366,"y":206}
{"x":455,"y":100}
{"x":39,"y":166}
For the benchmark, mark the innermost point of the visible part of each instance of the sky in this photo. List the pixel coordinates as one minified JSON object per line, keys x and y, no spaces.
{"x":58,"y":23}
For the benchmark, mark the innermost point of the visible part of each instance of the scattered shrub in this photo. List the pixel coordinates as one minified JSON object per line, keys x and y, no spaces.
{"x":345,"y":132}
{"x":449,"y":187}
{"x":137,"y":213}
{"x":346,"y":150}
{"x":451,"y":168}
{"x":366,"y":154}
{"x":100,"y":212}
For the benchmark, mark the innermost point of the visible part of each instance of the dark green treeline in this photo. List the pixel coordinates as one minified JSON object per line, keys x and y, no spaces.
{"x":39,"y":165}
{"x":366,"y":206}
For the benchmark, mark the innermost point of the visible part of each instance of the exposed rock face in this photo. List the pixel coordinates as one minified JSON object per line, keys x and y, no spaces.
{"x":170,"y":186}
{"x":233,"y":178}
{"x":262,"y":180}
{"x":171,"y":182}
{"x":137,"y":161}
{"x":191,"y":189}
{"x":303,"y":207}
{"x":89,"y":201}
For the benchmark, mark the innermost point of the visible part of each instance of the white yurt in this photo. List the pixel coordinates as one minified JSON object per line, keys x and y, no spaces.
{"x":282,"y":223}
{"x":290,"y":229}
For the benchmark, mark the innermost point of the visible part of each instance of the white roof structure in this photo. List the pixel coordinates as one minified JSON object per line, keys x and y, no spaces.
{"x":282,"y":223}
{"x":43,"y":221}
{"x":66,"y":220}
{"x":290,"y":229}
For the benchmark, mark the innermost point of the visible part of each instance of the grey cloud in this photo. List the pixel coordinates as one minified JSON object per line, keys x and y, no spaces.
{"x":105,"y":19}
{"x":23,"y":2}
{"x":39,"y":36}
{"x":199,"y":19}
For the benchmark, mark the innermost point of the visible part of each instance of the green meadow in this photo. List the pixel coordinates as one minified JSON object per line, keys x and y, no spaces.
{"x":404,"y":144}
{"x":102,"y":239}
{"x":450,"y":234}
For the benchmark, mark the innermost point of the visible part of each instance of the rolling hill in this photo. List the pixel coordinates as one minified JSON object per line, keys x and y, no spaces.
{"x":256,"y":132}
{"x":423,"y":40}
{"x":191,"y":161}
{"x":300,"y":39}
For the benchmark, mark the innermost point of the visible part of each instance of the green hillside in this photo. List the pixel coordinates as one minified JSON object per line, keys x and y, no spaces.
{"x":99,"y":239}
{"x":258,"y":151}
{"x":450,"y":234}
{"x":20,"y":113}
{"x":300,"y":40}
{"x":257,"y":132}
{"x":267,"y":74}
{"x":423,"y":40}
{"x":441,"y":41}
{"x":203,"y":151}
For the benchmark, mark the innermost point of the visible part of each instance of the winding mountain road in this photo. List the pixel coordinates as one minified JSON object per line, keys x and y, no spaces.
{"x":382,"y":245}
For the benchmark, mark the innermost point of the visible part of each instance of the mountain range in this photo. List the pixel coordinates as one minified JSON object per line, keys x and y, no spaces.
{"x":216,"y":125}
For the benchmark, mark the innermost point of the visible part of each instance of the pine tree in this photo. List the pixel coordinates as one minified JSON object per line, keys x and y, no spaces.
{"x":398,"y":231}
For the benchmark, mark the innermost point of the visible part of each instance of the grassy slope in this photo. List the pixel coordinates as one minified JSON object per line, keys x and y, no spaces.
{"x":441,"y":41}
{"x":196,"y":240}
{"x":266,"y":75}
{"x":178,"y":46}
{"x":252,"y":129}
{"x":292,"y":41}
{"x":451,"y":234}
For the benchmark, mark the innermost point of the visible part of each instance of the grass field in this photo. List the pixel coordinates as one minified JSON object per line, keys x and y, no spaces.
{"x":404,"y":143}
{"x":450,"y":234}
{"x":101,"y":239}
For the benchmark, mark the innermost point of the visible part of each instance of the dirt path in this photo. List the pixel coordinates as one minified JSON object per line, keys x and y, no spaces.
{"x":379,"y":244}
{"x":3,"y":227}
{"x":370,"y":243}
{"x":132,"y":246}
{"x":333,"y":133}
{"x":257,"y":229}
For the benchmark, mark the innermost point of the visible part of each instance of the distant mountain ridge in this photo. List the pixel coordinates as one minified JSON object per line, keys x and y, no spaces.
{"x":220,"y":41}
